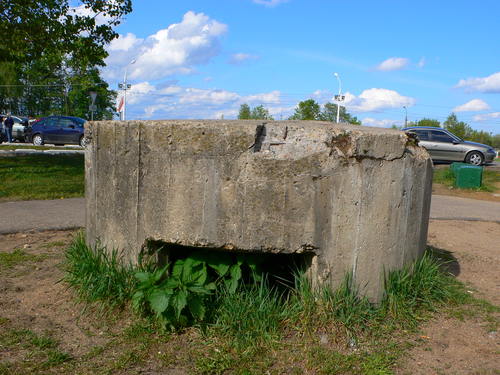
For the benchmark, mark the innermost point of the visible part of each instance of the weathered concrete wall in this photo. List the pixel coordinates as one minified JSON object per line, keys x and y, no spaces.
{"x":358,"y":198}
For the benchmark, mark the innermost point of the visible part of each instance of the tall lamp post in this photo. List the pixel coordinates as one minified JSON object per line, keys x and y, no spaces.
{"x":339,"y":97}
{"x":406,"y":115}
{"x":125,"y":86}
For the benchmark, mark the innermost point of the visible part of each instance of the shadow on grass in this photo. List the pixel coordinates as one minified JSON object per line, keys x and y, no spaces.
{"x":448,"y":261}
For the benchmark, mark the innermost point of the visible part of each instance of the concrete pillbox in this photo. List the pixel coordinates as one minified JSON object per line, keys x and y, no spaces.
{"x":356,"y":199}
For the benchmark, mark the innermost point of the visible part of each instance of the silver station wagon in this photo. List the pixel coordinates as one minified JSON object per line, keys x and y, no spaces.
{"x":445,"y":146}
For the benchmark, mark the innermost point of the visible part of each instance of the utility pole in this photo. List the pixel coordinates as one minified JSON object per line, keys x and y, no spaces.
{"x":406,"y":116}
{"x":339,"y":97}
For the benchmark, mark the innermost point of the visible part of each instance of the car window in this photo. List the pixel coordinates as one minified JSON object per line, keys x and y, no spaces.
{"x":438,"y":136}
{"x":79,"y":121}
{"x":51,"y":122}
{"x":423,"y":135}
{"x":66,"y":123}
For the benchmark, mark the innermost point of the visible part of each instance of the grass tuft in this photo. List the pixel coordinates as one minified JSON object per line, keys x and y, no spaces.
{"x":420,"y":286}
{"x":98,"y":275}
{"x":250,"y":316}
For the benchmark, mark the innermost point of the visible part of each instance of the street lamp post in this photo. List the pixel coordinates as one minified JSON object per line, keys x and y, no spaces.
{"x":406,"y":115}
{"x":125,"y":86}
{"x":338,"y":97}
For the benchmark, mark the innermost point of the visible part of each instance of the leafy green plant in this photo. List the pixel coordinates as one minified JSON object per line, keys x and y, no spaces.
{"x":179,"y":292}
{"x":172,"y":296}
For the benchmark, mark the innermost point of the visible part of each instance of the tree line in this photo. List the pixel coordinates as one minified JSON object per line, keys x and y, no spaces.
{"x":305,"y":110}
{"x":50,"y":56}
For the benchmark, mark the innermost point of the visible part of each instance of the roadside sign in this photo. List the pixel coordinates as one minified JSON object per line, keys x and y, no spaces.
{"x":92,"y":108}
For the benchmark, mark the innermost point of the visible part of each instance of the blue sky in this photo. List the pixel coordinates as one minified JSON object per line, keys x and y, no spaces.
{"x":203,"y":59}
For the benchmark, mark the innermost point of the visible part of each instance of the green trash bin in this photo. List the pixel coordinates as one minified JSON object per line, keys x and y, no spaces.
{"x":468,"y":176}
{"x":456,"y":166}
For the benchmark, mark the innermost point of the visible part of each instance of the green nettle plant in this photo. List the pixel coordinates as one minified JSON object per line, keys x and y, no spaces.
{"x":178,"y":293}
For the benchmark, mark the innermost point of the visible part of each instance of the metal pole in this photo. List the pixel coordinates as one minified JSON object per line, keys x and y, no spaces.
{"x":406,"y":116}
{"x":339,"y":97}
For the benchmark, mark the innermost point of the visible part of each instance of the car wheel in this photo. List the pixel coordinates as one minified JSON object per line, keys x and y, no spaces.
{"x":38,"y":140}
{"x":82,"y":141}
{"x":474,"y":158}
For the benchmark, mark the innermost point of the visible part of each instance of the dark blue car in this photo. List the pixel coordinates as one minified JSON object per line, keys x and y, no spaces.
{"x":57,"y":130}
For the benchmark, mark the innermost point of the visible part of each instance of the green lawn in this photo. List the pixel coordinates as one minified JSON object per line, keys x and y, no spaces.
{"x":490,"y":179}
{"x":41,"y":177}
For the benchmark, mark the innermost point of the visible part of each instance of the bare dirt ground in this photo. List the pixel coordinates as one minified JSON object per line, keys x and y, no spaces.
{"x":42,"y":329}
{"x":463,"y":344}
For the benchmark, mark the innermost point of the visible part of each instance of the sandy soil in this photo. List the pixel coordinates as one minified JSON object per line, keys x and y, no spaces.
{"x":31,"y":297}
{"x":35,"y":299}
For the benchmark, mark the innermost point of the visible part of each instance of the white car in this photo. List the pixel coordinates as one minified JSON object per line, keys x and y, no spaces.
{"x":19,"y":128}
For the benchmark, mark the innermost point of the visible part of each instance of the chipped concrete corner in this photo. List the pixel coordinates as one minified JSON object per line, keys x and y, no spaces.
{"x":356,"y":198}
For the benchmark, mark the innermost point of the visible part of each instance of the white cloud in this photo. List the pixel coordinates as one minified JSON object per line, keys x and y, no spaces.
{"x":490,"y":84}
{"x":270,"y":3}
{"x":176,"y":49}
{"x":375,"y":99}
{"x":421,"y":62}
{"x":384,"y":123}
{"x":239,"y":58}
{"x":208,"y":97}
{"x":272,"y":97}
{"x":393,"y":63}
{"x":84,"y":11}
{"x":148,"y":101}
{"x":124,"y":43}
{"x":487,"y":117}
{"x":472,"y":105}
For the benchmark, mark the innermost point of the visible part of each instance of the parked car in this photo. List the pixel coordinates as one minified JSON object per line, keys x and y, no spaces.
{"x":19,"y":128}
{"x":445,"y":146}
{"x":57,"y":130}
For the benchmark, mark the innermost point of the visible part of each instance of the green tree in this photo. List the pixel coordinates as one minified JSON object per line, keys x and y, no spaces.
{"x":329,"y":113}
{"x":256,"y":113}
{"x":459,"y":128}
{"x":30,"y":29}
{"x":51,"y":55}
{"x":261,"y":113}
{"x":428,"y":122}
{"x":244,"y":113}
{"x":307,"y":110}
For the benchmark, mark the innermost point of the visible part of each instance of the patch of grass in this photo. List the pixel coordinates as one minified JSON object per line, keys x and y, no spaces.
{"x":445,"y":177}
{"x":259,"y":326}
{"x":97,"y":275}
{"x":251,"y":316}
{"x":55,"y":358}
{"x":420,"y":287}
{"x":42,"y":177}
{"x":9,"y":260}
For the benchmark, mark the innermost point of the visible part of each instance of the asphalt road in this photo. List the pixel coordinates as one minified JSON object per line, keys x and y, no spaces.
{"x":58,"y":214}
{"x":61,"y":214}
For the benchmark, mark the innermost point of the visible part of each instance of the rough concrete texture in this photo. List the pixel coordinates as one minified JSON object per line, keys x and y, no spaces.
{"x":356,"y":198}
